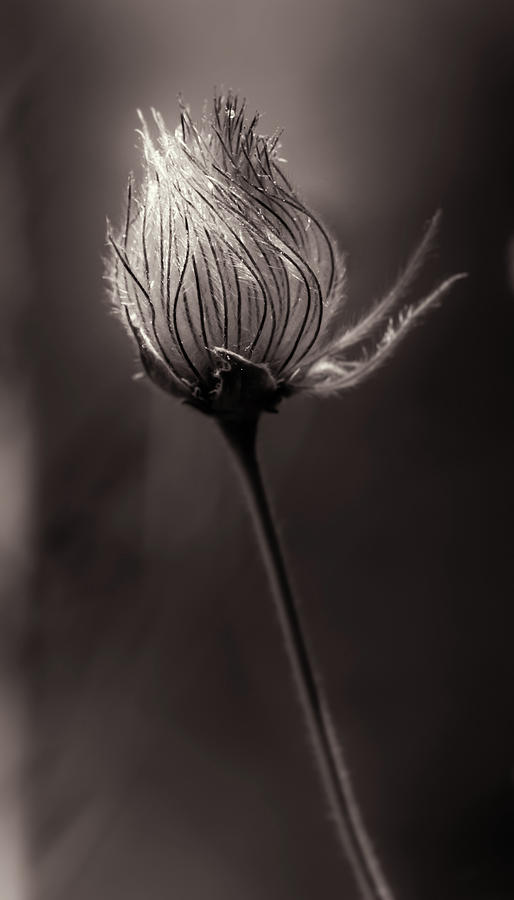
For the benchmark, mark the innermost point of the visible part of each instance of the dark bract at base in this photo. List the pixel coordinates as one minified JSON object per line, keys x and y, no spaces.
{"x":239,"y":390}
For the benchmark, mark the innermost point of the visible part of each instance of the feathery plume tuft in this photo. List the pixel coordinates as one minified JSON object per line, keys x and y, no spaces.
{"x":232,"y":289}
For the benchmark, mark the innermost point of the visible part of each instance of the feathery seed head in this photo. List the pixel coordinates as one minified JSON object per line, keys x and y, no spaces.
{"x":230,"y":286}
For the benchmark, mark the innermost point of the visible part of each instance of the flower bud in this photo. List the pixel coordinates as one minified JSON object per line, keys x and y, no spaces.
{"x":230,"y":286}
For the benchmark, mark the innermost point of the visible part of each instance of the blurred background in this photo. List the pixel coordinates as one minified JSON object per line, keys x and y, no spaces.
{"x":150,"y":743}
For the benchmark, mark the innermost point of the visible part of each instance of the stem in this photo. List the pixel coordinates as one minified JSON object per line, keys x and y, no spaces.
{"x":241,"y":438}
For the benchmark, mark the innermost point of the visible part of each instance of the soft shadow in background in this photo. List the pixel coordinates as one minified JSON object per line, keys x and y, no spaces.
{"x":164,"y":754}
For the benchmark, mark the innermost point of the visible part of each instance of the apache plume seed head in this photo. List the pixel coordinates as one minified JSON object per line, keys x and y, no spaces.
{"x":230,"y":286}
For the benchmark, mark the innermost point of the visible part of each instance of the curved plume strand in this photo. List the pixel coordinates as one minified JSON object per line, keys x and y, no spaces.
{"x":333,"y":373}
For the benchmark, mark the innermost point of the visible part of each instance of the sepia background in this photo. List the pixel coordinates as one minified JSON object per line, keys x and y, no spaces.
{"x":150,"y":743}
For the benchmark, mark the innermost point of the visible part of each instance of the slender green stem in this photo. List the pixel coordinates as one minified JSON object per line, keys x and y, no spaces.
{"x":241,"y":438}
